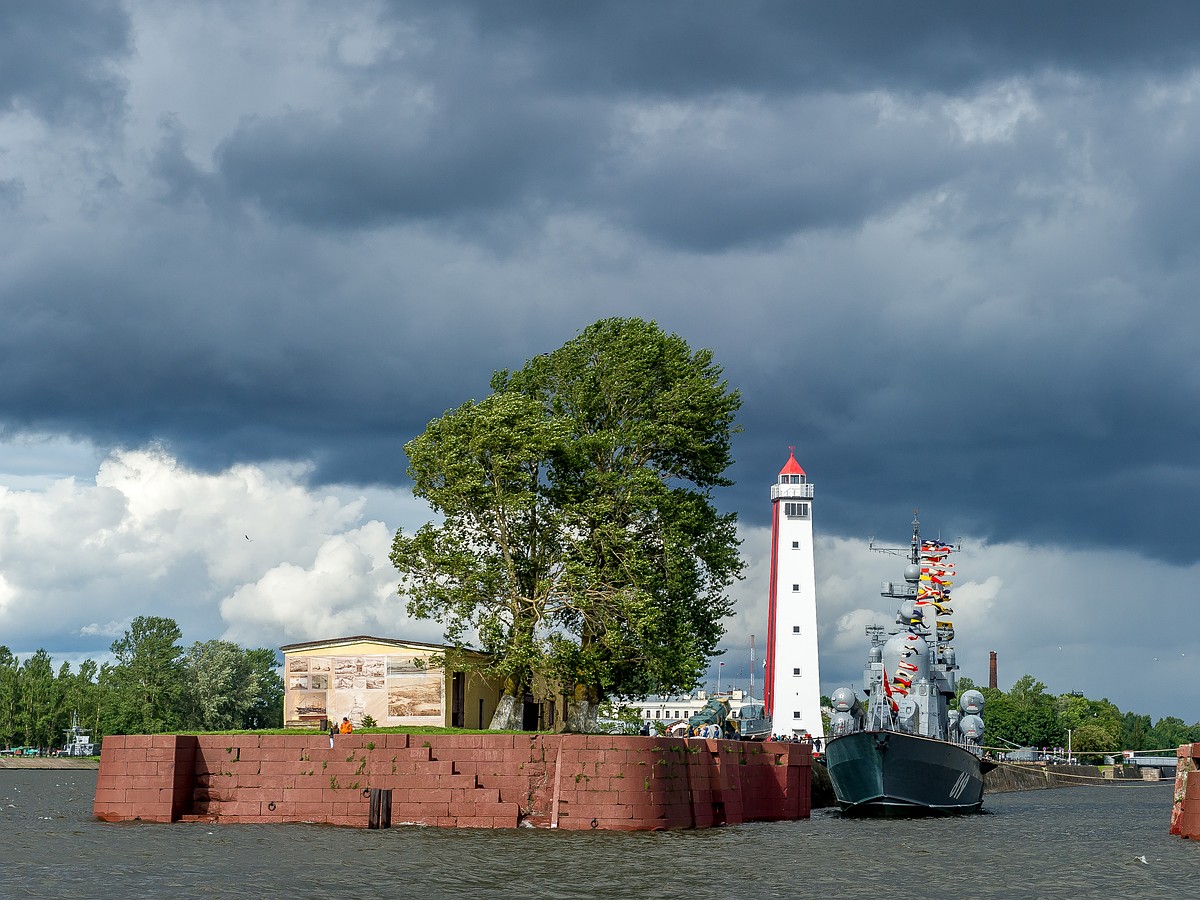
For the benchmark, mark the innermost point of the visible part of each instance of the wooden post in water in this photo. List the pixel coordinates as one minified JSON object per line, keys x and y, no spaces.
{"x":381,"y":809}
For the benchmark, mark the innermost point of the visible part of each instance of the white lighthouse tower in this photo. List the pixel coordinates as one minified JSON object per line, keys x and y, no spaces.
{"x":792,"y":686}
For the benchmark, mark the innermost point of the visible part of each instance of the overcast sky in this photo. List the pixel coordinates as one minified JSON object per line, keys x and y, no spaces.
{"x":946,"y":250}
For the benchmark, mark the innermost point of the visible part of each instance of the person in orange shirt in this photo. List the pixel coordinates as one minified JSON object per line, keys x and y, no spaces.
{"x":346,"y":726}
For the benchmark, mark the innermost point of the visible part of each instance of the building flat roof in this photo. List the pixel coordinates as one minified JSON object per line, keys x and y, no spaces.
{"x":371,"y":639}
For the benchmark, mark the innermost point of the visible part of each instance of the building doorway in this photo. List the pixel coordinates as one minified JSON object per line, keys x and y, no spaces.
{"x":458,"y":701}
{"x":529,"y":714}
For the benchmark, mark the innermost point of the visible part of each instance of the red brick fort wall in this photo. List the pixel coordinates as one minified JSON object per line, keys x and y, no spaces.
{"x":467,"y":780}
{"x":1185,"y":814}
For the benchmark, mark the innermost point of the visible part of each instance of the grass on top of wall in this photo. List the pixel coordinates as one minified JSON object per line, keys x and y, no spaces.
{"x":393,"y":729}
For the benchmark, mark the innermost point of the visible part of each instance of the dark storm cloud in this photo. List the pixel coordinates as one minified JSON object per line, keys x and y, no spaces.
{"x":383,"y":165}
{"x":1033,"y":431}
{"x":686,"y":48}
{"x":516,"y":109}
{"x":55,"y":59}
{"x":975,"y":220}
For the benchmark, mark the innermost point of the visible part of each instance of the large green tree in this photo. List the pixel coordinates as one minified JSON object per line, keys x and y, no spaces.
{"x":10,"y":696}
{"x":147,"y":680}
{"x":490,"y":568}
{"x":229,"y":687}
{"x":40,"y":700}
{"x":579,"y":537}
{"x":1090,"y":727}
{"x":266,"y":709}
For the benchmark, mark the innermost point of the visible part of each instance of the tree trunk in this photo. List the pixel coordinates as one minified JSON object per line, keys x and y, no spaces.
{"x":583,"y":711}
{"x":509,"y":714}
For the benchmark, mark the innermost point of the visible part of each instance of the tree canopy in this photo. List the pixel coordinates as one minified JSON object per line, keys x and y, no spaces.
{"x":579,"y":539}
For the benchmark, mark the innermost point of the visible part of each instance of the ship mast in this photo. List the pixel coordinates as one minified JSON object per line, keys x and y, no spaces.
{"x":751,"y":667}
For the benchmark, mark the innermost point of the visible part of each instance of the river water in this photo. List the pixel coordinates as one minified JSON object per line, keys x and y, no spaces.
{"x":1067,"y":842}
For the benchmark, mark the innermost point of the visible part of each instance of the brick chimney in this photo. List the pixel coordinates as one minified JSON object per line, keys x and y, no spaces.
{"x":992,"y":671}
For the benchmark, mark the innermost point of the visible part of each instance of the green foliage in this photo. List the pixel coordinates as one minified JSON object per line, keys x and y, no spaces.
{"x":1024,"y":716}
{"x":266,"y":707}
{"x":153,"y":687}
{"x":1135,"y":732}
{"x":148,"y":680}
{"x":368,"y":721}
{"x":40,"y":702}
{"x":10,"y":697}
{"x":229,"y":687}
{"x":1171,"y":732}
{"x":490,"y":566}
{"x":579,"y":539}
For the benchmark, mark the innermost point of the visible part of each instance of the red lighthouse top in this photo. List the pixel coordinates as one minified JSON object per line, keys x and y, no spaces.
{"x":792,"y":467}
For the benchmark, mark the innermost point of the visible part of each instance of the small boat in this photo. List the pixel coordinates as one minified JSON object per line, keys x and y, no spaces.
{"x":79,"y":742}
{"x":753,"y":722}
{"x":907,"y":752}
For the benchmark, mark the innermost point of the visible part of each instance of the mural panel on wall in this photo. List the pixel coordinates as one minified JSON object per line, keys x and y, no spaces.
{"x":308,"y":704}
{"x":394,"y":690}
{"x":417,"y":696}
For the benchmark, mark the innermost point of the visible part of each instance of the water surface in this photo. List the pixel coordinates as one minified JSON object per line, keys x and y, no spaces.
{"x":1068,"y":842}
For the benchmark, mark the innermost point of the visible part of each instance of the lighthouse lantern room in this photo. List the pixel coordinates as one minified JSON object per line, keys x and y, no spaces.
{"x":792,"y":683}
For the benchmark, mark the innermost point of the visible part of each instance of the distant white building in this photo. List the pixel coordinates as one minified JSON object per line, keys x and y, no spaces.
{"x":673,"y":712}
{"x":792,"y":683}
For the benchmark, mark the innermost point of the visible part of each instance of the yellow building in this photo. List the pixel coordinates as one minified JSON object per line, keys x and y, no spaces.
{"x":395,"y":683}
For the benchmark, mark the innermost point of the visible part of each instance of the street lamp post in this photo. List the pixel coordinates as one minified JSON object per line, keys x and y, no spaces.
{"x":719,"y":668}
{"x":1068,"y":745}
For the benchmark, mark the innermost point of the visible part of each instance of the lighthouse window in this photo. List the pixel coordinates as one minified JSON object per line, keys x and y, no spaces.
{"x":795,"y":545}
{"x":795,"y":510}
{"x":795,"y":588}
{"x":796,"y":714}
{"x":796,"y":670}
{"x":795,"y":629}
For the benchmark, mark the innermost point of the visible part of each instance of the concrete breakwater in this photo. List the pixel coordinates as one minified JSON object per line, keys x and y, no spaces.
{"x":49,"y":762}
{"x":467,"y":780}
{"x":1031,"y":777}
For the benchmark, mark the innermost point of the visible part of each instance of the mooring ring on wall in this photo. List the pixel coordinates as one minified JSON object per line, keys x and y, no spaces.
{"x":271,"y":806}
{"x":366,"y":792}
{"x":595,"y":823}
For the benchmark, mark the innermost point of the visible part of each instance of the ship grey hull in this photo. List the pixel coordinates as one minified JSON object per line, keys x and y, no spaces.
{"x":882,"y":773}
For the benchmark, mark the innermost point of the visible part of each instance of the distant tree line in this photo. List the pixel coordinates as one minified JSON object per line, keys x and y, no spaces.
{"x":1027,"y":716}
{"x":155,"y":685}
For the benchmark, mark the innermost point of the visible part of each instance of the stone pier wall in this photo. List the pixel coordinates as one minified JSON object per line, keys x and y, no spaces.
{"x":1185,"y":813}
{"x":469,"y":780}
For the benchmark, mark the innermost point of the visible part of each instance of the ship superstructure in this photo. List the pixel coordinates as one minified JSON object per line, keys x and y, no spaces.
{"x":909,"y":751}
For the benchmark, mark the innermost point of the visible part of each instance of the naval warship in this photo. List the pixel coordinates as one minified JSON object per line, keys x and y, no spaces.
{"x":907,"y":752}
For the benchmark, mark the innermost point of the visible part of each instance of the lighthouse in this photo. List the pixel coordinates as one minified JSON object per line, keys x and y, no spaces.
{"x":792,"y":683}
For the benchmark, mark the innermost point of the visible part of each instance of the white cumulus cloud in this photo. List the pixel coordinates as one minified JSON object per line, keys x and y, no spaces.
{"x":248,"y":554}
